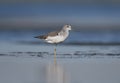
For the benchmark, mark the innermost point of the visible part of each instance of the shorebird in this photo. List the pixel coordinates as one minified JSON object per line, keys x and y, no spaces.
{"x":56,"y":36}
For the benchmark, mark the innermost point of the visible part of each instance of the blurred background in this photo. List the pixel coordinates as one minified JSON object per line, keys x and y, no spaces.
{"x":92,"y":21}
{"x":89,"y":55}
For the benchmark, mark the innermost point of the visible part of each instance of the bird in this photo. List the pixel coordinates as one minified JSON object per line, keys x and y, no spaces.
{"x":56,"y":37}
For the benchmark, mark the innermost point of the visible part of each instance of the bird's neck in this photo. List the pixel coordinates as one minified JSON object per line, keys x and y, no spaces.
{"x":65,"y":32}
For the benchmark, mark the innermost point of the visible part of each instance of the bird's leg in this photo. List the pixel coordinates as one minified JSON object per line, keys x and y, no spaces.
{"x":55,"y":54}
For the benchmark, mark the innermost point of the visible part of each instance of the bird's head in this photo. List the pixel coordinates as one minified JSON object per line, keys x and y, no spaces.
{"x":67,"y":27}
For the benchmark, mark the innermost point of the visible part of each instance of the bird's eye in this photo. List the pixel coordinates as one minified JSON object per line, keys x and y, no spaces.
{"x":67,"y":26}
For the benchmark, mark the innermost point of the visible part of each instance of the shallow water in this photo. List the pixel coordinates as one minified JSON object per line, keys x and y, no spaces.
{"x":63,"y":51}
{"x":75,"y":64}
{"x":34,"y":62}
{"x":37,"y":70}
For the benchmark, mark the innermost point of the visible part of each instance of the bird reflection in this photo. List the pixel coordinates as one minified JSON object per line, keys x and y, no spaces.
{"x":56,"y":74}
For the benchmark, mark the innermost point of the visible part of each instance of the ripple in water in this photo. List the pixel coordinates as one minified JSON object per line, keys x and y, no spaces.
{"x":76,"y":54}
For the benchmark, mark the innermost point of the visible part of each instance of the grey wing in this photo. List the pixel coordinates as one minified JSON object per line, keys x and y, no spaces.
{"x":53,"y":33}
{"x":49,"y":34}
{"x":41,"y":37}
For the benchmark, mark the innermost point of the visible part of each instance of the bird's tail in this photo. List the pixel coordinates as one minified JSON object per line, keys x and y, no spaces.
{"x":41,"y":37}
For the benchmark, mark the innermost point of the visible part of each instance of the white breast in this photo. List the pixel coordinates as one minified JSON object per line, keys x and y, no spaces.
{"x":55,"y":39}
